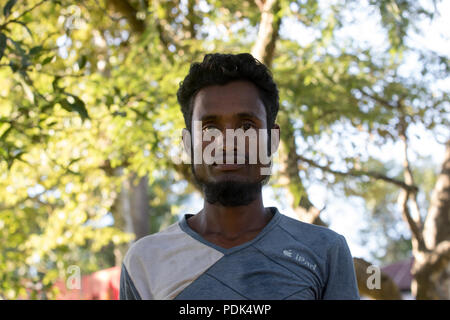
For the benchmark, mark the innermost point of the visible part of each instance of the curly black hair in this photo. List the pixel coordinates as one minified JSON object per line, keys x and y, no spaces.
{"x":220,"y":69}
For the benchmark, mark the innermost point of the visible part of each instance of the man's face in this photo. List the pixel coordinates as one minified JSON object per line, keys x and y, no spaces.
{"x":236,"y":105}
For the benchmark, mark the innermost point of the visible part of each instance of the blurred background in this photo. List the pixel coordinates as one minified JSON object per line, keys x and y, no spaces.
{"x":90,"y":132}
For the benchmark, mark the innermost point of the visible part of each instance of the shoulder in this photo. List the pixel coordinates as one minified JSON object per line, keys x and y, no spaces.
{"x":162,"y":263}
{"x":307,"y":231}
{"x":320,"y":239}
{"x":154,"y":244}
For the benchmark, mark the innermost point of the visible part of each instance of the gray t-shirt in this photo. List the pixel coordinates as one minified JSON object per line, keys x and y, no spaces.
{"x":288,"y":259}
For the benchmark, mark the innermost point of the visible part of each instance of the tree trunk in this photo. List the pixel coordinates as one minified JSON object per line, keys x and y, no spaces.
{"x":268,"y":31}
{"x":139,"y":205}
{"x":134,"y":205}
{"x":437,"y":224}
{"x":431,"y":269}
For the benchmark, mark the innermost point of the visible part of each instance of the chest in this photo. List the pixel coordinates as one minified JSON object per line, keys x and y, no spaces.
{"x":251,"y":274}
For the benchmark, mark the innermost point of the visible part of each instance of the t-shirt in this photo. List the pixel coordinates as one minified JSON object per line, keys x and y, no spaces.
{"x":288,"y":259}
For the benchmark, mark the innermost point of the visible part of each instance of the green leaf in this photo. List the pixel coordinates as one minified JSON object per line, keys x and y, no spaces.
{"x":36,"y":50}
{"x":5,"y":134}
{"x":3,"y":153}
{"x":47,"y":60}
{"x":8,"y":6}
{"x":82,"y":61}
{"x":2,"y":45}
{"x":14,"y":66}
{"x":76,"y":106}
{"x":20,"y":51}
{"x":55,"y":86}
{"x":80,"y":107}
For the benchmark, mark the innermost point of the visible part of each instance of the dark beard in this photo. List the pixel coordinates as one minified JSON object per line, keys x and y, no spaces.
{"x":230,"y":193}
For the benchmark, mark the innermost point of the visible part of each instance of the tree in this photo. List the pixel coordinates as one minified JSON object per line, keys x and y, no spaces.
{"x":89,"y":120}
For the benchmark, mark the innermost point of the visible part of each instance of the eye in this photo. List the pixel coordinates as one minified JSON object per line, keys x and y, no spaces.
{"x":209,"y":127}
{"x":247,"y":125}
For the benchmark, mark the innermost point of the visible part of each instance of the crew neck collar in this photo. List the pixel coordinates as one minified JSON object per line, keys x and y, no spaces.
{"x":273,"y":222}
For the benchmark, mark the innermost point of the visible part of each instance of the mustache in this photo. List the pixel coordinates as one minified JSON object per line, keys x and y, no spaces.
{"x":238,"y":158}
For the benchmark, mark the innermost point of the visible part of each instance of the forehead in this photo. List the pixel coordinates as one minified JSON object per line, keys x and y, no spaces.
{"x":228,"y":100}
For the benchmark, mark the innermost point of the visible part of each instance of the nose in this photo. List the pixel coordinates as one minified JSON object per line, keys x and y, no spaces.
{"x":233,"y":139}
{"x":233,"y":153}
{"x":230,"y":152}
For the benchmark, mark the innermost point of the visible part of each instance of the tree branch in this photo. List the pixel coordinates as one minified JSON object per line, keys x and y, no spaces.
{"x":22,"y":14}
{"x":359,"y":173}
{"x":441,"y":255}
{"x":191,"y":18}
{"x":377,"y":99}
{"x":417,"y":237}
{"x":409,"y":179}
{"x":260,"y":5}
{"x":414,"y":222}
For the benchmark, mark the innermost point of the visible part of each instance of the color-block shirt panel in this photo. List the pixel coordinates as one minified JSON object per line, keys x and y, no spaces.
{"x":161,"y":265}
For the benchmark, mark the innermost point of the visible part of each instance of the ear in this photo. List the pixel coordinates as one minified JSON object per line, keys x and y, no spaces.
{"x":187,"y":141}
{"x":275,"y":138}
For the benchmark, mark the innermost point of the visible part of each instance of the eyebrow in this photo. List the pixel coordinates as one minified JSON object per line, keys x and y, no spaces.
{"x":239,"y":115}
{"x":248,"y":115}
{"x":209,"y":117}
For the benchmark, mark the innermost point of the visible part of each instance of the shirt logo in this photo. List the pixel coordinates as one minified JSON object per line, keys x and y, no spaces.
{"x":287,"y":253}
{"x":299,"y":258}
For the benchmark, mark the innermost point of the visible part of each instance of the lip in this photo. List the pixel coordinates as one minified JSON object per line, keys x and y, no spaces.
{"x":228,"y":167}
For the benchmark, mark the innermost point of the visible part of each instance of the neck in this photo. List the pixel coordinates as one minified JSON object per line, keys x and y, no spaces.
{"x":232,"y":222}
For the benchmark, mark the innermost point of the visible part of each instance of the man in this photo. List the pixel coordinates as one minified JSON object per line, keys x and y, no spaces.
{"x":235,"y":248}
